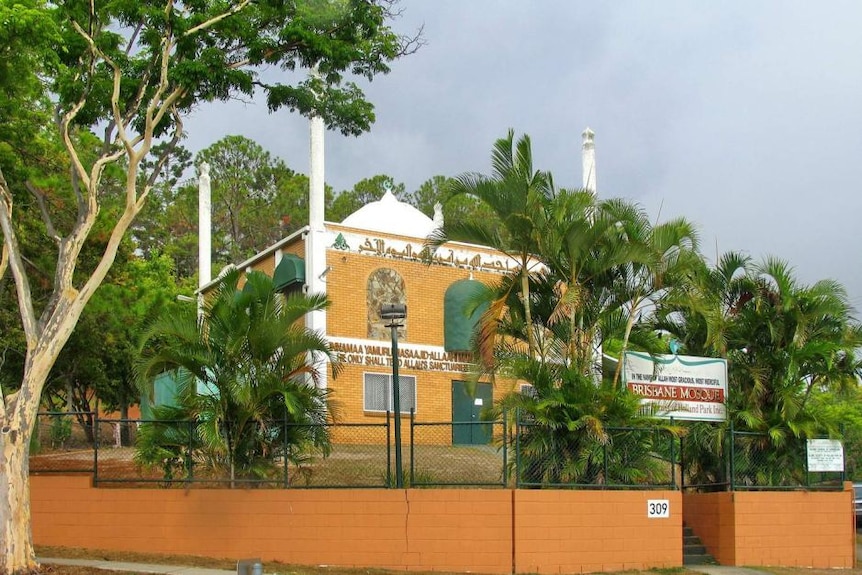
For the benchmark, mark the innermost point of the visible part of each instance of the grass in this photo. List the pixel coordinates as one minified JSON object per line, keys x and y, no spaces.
{"x":287,"y":569}
{"x":187,"y":561}
{"x":348,"y":465}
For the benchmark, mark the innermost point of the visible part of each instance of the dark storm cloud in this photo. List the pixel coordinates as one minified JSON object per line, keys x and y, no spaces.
{"x":744,"y":117}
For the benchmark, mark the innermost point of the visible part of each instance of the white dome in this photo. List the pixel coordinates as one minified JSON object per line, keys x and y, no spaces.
{"x":389,"y":215}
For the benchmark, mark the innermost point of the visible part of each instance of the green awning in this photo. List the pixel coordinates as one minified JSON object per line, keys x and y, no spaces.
{"x":289,"y":273}
{"x":458,"y":324}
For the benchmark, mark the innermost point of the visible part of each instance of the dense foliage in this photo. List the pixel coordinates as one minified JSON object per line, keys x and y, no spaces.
{"x":597,"y":278}
{"x":246,"y":373}
{"x":130,"y":71}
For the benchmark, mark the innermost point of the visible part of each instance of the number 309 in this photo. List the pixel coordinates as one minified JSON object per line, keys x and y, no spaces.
{"x":658,"y":508}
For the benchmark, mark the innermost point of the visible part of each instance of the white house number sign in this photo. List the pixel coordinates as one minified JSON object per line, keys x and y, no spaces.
{"x":658,"y":508}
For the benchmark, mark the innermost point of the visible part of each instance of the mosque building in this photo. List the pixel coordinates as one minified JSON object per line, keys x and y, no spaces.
{"x":375,"y":257}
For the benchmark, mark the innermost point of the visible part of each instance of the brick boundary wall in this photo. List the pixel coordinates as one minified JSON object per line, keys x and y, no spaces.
{"x":565,"y":531}
{"x":790,"y":528}
{"x":477,"y":530}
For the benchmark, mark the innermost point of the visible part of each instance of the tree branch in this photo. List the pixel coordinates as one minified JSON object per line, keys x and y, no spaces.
{"x":163,"y":158}
{"x":215,"y":19}
{"x":43,"y":209}
{"x":13,"y":254}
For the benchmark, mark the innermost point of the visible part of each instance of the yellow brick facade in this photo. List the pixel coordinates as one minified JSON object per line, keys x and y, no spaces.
{"x":421,"y":351}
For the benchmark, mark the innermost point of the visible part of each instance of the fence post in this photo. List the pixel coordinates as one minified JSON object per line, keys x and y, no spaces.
{"x":605,"y":464}
{"x":673,"y":458}
{"x":731,"y":463}
{"x":505,"y":448}
{"x":284,"y":448}
{"x":96,"y":450}
{"x":844,"y":454}
{"x":412,"y":443}
{"x":682,"y":463}
{"x":189,"y":459}
{"x":518,"y":448}
{"x":388,"y":451}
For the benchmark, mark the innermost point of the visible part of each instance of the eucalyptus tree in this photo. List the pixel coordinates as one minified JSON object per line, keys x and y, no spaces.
{"x":132,"y":71}
{"x":516,"y":194}
{"x":247,"y":370}
{"x":363,"y":192}
{"x":456,"y":209}
{"x":256,"y":198}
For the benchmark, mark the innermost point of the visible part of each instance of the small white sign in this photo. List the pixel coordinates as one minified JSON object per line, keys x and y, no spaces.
{"x":825,"y":455}
{"x":658,"y":508}
{"x":477,"y":401}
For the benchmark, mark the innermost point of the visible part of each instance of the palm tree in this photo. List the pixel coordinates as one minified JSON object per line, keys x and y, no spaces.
{"x":785,"y":343}
{"x":699,"y":311}
{"x":516,"y":194}
{"x":246,"y":373}
{"x":590,"y":248}
{"x":573,"y":430}
{"x":673,"y":252}
{"x":799,"y":340}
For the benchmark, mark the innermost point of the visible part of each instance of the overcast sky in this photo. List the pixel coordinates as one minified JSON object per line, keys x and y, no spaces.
{"x":745,"y":117}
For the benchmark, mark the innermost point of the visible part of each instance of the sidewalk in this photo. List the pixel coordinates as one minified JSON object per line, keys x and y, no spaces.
{"x":177,"y":570}
{"x":724,"y":570}
{"x":134,"y":567}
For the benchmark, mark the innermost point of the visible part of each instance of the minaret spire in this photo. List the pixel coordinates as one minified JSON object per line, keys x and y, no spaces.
{"x":315,"y":241}
{"x":588,"y":157}
{"x":204,"y":226}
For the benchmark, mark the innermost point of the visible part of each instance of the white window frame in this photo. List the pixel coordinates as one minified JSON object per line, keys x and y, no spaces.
{"x":405,"y":409}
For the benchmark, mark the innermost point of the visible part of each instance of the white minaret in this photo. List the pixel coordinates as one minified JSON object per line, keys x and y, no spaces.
{"x":315,"y":241}
{"x":204,"y":229}
{"x":588,"y":157}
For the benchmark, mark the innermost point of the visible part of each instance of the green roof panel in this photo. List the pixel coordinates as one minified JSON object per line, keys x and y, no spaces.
{"x":289,"y":272}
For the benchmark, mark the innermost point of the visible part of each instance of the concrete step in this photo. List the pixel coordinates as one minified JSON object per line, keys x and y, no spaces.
{"x":693,"y":550}
{"x":698,"y":559}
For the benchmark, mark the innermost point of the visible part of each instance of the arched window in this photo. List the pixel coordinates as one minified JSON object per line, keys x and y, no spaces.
{"x":461,"y":314}
{"x":385,"y":285}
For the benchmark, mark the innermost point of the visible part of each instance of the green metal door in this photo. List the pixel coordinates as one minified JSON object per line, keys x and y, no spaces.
{"x":466,"y":409}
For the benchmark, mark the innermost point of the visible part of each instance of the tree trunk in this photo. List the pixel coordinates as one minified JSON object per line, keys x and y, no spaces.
{"x":125,"y":428}
{"x":528,"y":314}
{"x":17,"y":555}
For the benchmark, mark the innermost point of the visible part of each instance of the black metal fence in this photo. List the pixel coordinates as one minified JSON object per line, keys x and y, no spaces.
{"x":749,"y":461}
{"x":620,"y":457}
{"x":504,"y":453}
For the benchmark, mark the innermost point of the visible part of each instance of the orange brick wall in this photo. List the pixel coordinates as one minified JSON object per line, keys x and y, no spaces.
{"x":487,"y":531}
{"x":809,"y":529}
{"x":427,"y":529}
{"x":792,"y":528}
{"x":585,"y":531}
{"x":450,"y":530}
